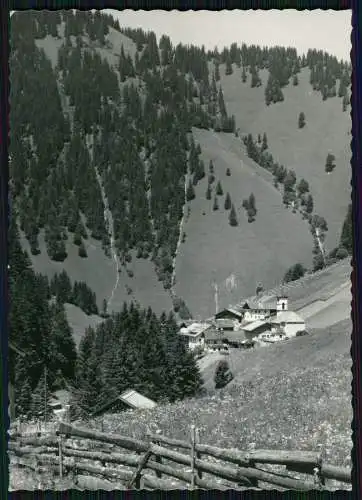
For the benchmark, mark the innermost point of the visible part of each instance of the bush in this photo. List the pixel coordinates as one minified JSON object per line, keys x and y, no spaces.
{"x":223,"y":375}
{"x":301,"y":333}
{"x":294,"y":273}
{"x":82,"y":252}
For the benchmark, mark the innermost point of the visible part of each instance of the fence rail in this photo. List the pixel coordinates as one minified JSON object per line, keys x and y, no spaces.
{"x":145,"y":463}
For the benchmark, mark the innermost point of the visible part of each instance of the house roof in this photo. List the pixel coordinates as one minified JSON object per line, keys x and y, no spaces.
{"x":287,"y":317}
{"x":236,"y":335}
{"x":224,"y":323}
{"x":250,"y":327}
{"x":259,"y":304}
{"x":194,"y":329}
{"x":136,"y":400}
{"x":232,"y":310}
{"x":214,"y":334}
{"x":131,"y":398}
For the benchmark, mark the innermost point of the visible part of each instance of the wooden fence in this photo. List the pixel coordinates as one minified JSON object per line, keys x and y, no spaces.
{"x":93,"y":461}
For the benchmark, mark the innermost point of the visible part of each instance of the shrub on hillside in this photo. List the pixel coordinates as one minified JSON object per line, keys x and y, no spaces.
{"x":223,"y":375}
{"x":294,"y":273}
{"x":82,"y":252}
{"x":301,"y":120}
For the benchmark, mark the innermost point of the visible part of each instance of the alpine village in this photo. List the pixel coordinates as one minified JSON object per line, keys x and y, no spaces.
{"x":180,"y":237}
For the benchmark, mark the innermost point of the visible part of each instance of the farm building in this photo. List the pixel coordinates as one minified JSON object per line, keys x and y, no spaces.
{"x":289,"y":321}
{"x":254,"y":311}
{"x":193,"y":334}
{"x":226,"y":324}
{"x":230,"y":313}
{"x":256,"y":328}
{"x":214,"y":338}
{"x":128,"y":399}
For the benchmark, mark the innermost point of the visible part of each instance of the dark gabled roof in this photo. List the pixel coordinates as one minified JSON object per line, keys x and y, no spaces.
{"x":131,"y":398}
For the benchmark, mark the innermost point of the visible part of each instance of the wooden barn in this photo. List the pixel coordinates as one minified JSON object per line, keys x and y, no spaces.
{"x":128,"y":399}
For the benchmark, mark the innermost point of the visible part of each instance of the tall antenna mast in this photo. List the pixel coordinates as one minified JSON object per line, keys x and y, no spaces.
{"x":216,"y":298}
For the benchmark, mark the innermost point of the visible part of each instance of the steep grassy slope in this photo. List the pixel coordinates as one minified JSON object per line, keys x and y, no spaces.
{"x":304,"y":150}
{"x":99,"y":272}
{"x":251,"y":252}
{"x":213,"y":250}
{"x":79,"y":321}
{"x":291,"y":396}
{"x":323,"y":298}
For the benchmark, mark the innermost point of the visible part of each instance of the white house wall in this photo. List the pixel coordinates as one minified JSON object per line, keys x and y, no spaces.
{"x":291,"y":329}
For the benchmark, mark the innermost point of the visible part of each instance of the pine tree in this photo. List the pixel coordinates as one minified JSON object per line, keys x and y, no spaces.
{"x":228,"y":172}
{"x":264,"y":145}
{"x":216,"y":204}
{"x":303,"y":187}
{"x":330,"y":163}
{"x":229,"y":68}
{"x":222,"y":107}
{"x":345,"y":102}
{"x":346,"y":240}
{"x":243,"y":75}
{"x":233,"y":221}
{"x":208,"y":192}
{"x":82,"y":252}
{"x":227,"y":204}
{"x":309,"y":204}
{"x":190,"y":192}
{"x":219,"y":190}
{"x":217,"y":72}
{"x":40,"y":398}
{"x":301,"y":120}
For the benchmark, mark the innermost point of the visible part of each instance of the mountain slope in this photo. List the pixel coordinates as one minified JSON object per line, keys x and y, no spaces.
{"x":138,"y":101}
{"x":251,"y":252}
{"x":327,"y":130}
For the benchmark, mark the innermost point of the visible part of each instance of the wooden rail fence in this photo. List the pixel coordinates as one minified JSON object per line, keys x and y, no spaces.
{"x":93,"y":461}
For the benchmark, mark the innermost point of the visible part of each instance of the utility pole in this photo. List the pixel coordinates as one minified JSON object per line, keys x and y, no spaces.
{"x":216,"y":298}
{"x":45,"y":391}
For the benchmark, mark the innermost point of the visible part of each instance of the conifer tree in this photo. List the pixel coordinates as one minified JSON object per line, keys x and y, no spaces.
{"x":233,"y":221}
{"x":229,"y":68}
{"x":301,"y":120}
{"x":219,"y":190}
{"x":227,"y":204}
{"x":330,"y":163}
{"x":190,"y":193}
{"x":264,"y":145}
{"x":243,"y":75}
{"x":82,"y":252}
{"x":216,"y":204}
{"x":208,"y":192}
{"x":309,"y":204}
{"x":217,"y":71}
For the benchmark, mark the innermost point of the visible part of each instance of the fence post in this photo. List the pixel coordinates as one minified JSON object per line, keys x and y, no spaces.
{"x":198,"y":455}
{"x":318,"y":478}
{"x":193,"y":440}
{"x":158,"y":460}
{"x":60,"y":439}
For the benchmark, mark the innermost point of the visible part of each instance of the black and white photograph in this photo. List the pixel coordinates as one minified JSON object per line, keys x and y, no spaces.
{"x":180,"y":245}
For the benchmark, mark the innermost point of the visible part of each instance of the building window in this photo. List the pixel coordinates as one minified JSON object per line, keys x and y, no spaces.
{"x":283,"y":306}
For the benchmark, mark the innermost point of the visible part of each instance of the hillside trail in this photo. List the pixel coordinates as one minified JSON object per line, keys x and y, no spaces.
{"x":182,"y":222}
{"x":108,"y":221}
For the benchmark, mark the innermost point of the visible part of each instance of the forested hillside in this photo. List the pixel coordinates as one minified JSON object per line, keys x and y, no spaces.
{"x":144,"y":172}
